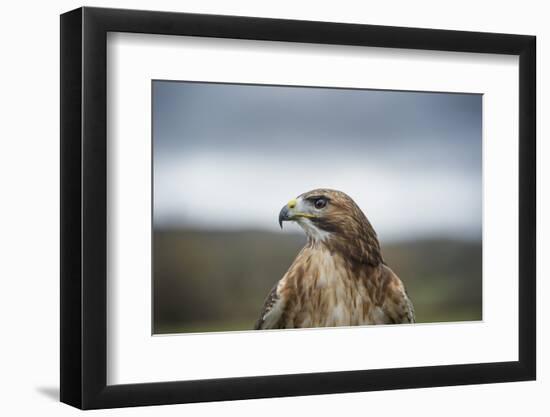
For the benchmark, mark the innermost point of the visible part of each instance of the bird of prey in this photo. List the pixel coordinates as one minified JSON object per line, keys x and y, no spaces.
{"x":339,"y":278}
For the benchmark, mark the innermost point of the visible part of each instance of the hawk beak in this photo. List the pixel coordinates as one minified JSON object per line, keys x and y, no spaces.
{"x":284,"y":215}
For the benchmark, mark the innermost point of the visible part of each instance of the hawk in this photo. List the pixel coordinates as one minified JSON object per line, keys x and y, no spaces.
{"x":339,"y":278}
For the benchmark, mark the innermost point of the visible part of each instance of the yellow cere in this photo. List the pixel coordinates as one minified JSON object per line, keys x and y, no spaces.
{"x":291,"y":204}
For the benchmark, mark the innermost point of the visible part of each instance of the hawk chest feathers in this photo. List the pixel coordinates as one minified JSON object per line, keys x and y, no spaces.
{"x":322,"y":290}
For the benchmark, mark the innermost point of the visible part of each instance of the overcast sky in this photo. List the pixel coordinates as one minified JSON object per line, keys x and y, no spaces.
{"x":229,"y":156}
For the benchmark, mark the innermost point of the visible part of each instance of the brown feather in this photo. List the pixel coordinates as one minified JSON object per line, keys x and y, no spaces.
{"x":340,"y":281}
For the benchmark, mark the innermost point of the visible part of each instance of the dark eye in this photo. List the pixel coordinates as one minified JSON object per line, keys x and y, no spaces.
{"x":320,"y":203}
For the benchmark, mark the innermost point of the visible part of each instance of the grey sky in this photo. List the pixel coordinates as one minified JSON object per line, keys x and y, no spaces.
{"x":229,"y":155}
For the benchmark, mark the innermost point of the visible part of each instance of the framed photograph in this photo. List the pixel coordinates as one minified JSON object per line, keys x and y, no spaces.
{"x":256,"y":208}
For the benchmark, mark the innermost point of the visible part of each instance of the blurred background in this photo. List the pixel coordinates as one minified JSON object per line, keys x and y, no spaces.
{"x":227,"y":157}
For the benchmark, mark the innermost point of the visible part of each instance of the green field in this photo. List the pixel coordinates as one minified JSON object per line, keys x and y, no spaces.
{"x":217,"y":281}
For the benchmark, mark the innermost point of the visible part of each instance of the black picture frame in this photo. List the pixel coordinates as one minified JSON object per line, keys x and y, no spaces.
{"x":84,"y":207}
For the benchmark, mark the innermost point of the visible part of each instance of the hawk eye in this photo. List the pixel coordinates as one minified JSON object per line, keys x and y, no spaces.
{"x":320,"y":203}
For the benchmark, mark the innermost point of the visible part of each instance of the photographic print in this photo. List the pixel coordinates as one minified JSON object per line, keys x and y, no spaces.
{"x":226,"y":180}
{"x":280,"y":207}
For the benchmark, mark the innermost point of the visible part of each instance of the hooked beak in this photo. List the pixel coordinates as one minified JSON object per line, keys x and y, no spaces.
{"x":284,"y":215}
{"x":291,"y":212}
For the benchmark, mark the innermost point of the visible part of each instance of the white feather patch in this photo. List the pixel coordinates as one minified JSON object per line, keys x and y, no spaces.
{"x":313,"y":231}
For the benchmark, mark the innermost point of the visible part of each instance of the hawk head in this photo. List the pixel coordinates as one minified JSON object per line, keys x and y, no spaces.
{"x":331,"y":218}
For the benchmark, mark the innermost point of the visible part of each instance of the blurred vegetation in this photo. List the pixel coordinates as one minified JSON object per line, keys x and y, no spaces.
{"x":217,"y":281}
